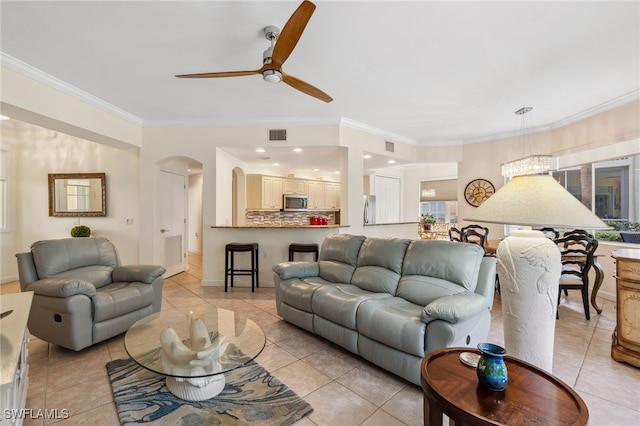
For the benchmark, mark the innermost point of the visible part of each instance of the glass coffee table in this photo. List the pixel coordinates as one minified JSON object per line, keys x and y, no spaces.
{"x":194,"y":347}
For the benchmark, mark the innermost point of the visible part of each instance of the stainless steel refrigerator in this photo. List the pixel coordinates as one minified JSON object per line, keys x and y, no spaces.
{"x":369,"y":209}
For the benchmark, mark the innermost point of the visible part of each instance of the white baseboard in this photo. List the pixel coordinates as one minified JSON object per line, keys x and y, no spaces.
{"x":9,"y":279}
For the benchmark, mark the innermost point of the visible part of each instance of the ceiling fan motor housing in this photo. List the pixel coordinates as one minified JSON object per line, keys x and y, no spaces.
{"x":272,"y":76}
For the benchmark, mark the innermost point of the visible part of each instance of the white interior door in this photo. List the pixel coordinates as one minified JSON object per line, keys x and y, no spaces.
{"x":173,"y":221}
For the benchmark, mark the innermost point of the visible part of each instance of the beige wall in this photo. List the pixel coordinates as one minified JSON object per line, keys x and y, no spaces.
{"x":132,"y":156}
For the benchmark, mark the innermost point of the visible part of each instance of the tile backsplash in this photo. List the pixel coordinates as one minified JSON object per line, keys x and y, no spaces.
{"x":254,"y":217}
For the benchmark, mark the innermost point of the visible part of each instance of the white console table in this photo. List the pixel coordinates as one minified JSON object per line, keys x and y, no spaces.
{"x":14,"y":370}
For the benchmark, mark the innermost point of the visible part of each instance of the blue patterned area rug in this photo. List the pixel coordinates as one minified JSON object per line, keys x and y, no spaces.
{"x":251,"y":396}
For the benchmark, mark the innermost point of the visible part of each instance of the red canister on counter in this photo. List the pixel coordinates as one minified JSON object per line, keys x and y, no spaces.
{"x":324,"y":221}
{"x":314,"y":220}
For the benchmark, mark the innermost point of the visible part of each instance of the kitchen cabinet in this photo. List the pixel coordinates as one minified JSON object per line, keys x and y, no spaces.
{"x":294,"y":186}
{"x":264,"y":192}
{"x":316,"y":194}
{"x":332,"y":196}
{"x":324,"y":195}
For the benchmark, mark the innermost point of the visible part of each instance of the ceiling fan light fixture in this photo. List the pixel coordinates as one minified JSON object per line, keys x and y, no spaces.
{"x":272,"y":76}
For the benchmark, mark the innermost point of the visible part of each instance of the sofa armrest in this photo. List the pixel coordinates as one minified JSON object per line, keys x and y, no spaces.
{"x":56,"y":287}
{"x":300,"y":269}
{"x":139,"y":273}
{"x":454,"y":308}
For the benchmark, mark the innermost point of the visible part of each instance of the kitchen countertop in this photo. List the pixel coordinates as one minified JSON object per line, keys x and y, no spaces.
{"x":394,"y":223}
{"x":279,"y":226}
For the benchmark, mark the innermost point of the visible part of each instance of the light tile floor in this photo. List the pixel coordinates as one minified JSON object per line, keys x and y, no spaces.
{"x":342,"y":388}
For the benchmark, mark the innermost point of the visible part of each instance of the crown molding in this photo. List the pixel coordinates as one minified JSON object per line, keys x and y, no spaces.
{"x":590,"y":112}
{"x":51,"y":81}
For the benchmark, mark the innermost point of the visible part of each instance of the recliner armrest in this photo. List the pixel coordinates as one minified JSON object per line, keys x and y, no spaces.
{"x":299,"y":269}
{"x":454,"y":308}
{"x":140,"y":273}
{"x":56,"y":287}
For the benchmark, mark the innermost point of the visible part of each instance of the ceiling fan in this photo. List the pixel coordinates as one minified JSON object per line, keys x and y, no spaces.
{"x":277,"y":54}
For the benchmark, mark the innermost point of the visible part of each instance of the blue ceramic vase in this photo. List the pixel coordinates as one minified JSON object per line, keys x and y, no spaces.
{"x":492,"y":370}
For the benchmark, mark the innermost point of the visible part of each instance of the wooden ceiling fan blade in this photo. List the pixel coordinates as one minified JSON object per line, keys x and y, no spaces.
{"x":291,"y":33}
{"x":305,"y":87}
{"x":220,"y":74}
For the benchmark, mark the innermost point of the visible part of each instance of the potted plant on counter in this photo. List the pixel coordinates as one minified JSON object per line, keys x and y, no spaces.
{"x":426,"y":221}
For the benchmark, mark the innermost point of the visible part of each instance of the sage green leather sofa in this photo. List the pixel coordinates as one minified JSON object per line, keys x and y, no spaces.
{"x":390,"y":300}
{"x":82,"y":295}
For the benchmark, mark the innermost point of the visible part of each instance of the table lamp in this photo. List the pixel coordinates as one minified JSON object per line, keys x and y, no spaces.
{"x":529,"y":264}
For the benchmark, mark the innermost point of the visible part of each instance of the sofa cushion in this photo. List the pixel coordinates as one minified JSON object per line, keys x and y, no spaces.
{"x":339,"y":256}
{"x":436,"y":268}
{"x":97,"y":275}
{"x":339,"y":303}
{"x":380,"y":264}
{"x":395,"y":322}
{"x":297,"y":292}
{"x":51,"y":257}
{"x":121,"y":298}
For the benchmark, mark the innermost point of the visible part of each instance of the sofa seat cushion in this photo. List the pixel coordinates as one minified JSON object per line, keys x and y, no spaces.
{"x":339,"y":303}
{"x":395,"y":322}
{"x":116,"y":299}
{"x":423,"y":290}
{"x":97,"y":275}
{"x":297,"y":292}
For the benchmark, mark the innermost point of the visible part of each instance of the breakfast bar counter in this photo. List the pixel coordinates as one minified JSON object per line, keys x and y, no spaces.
{"x":273,"y":247}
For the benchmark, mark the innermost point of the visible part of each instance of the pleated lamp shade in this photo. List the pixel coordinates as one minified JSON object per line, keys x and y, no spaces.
{"x":537,"y":201}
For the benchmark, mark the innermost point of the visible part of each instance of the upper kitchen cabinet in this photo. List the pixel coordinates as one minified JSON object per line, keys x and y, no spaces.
{"x":332,"y":196}
{"x":323,"y":195}
{"x":294,"y":186}
{"x":264,"y":192}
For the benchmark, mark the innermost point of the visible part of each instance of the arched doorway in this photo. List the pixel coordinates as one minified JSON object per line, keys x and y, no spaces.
{"x":239,"y":196}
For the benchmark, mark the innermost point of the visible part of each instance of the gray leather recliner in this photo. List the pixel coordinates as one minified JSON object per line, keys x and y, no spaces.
{"x":82,"y":295}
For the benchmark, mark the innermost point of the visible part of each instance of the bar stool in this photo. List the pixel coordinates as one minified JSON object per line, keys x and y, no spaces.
{"x":230,"y":250}
{"x":302,"y":248}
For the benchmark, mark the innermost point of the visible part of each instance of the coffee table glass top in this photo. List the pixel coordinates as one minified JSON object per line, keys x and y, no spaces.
{"x":230,"y":340}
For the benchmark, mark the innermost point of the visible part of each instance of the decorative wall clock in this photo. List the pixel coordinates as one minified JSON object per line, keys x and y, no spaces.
{"x":478,"y":191}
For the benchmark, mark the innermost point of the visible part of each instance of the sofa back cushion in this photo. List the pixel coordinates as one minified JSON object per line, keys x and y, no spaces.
{"x":339,"y":256}
{"x":436,"y":268}
{"x":380,"y":264}
{"x":92,"y":259}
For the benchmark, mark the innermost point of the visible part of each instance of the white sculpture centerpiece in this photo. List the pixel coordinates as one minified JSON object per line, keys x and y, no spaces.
{"x":193,"y":367}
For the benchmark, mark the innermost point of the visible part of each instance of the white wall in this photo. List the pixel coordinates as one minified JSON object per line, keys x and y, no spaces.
{"x":36,"y":152}
{"x":194,"y":212}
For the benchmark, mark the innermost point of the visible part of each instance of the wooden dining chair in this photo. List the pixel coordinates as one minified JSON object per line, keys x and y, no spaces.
{"x":475,"y":234}
{"x":455,"y":234}
{"x":577,"y":251}
{"x":550,"y":233}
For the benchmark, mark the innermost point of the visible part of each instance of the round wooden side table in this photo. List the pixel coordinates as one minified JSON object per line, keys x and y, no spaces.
{"x":532,"y":396}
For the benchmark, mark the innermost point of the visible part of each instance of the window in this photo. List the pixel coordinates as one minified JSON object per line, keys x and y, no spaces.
{"x":442,"y":211}
{"x":611,"y":186}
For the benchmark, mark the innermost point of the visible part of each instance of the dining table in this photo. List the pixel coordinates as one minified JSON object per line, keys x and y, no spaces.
{"x":491,"y":247}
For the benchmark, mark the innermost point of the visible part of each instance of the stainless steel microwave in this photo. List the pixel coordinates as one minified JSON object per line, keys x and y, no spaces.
{"x":295,"y":203}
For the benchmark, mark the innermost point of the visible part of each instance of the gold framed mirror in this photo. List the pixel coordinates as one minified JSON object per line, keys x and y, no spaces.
{"x":77,"y":195}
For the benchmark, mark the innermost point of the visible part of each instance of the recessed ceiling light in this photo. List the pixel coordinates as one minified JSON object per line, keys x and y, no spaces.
{"x":260,"y":150}
{"x":297,"y":149}
{"x":276,"y":164}
{"x":316,"y":170}
{"x":337,"y":172}
{"x":366,"y":156}
{"x":3,"y":117}
{"x":391,"y":161}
